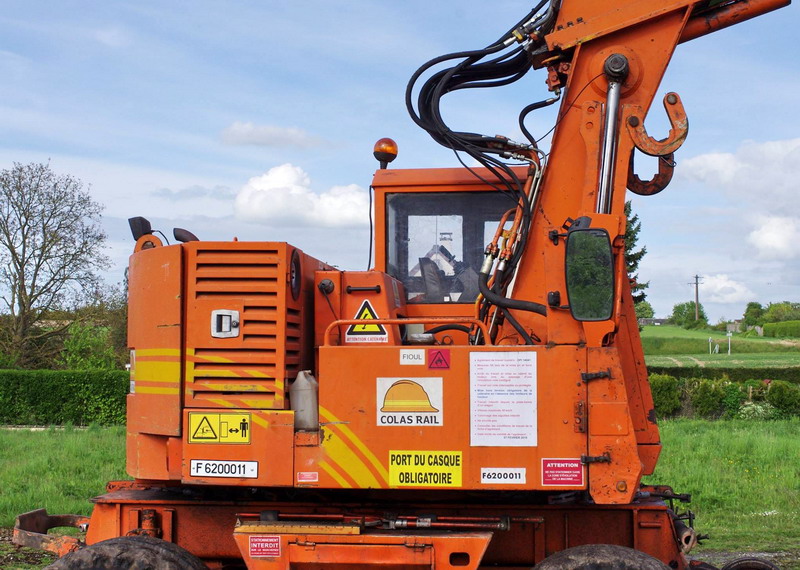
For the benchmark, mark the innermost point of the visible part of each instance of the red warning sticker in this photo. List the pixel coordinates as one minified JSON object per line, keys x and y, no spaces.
{"x":439,"y":358}
{"x":308,"y":477}
{"x":265,"y":546}
{"x":562,"y":472}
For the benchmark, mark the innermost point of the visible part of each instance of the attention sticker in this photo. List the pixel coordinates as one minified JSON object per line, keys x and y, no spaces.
{"x":425,"y":468}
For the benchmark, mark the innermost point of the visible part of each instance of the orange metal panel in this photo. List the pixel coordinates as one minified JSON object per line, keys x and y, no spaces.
{"x":392,"y":551}
{"x":154,"y":335}
{"x":255,"y":279}
{"x":238,"y":447}
{"x":381,"y":416}
{"x":611,"y":433}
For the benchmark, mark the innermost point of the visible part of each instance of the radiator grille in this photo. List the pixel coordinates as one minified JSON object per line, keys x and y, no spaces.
{"x":249,"y":370}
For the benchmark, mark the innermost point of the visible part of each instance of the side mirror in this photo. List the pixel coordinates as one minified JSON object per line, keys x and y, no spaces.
{"x":590,"y":274}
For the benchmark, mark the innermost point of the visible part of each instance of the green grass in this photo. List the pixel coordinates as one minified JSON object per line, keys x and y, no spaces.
{"x":756,"y":360}
{"x":669,"y":340}
{"x":672,"y":331}
{"x":58,"y":469}
{"x":744,"y":478}
{"x":667,"y":345}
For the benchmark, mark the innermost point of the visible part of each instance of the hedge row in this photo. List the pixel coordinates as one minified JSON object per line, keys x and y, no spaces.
{"x":723,"y":398}
{"x":791,"y":374}
{"x":782,"y":329}
{"x":57,"y":397}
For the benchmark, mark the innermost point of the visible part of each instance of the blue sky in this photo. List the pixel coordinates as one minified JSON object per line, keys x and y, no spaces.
{"x":257,"y":119}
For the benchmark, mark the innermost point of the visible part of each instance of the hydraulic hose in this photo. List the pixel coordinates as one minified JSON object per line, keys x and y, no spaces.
{"x":505,"y":302}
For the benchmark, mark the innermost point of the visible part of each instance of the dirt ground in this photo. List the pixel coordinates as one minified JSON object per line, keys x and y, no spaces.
{"x":15,"y":557}
{"x":783,"y":560}
{"x":12,"y":556}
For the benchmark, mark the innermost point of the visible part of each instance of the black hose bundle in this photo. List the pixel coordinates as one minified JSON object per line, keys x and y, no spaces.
{"x":501,"y":63}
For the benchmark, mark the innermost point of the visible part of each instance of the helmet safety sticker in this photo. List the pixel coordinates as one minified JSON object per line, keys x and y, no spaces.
{"x":403,"y":402}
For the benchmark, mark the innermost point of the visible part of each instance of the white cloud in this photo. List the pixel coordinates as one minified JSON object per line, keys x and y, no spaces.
{"x":267,"y":135}
{"x":761,"y":174}
{"x":722,"y":289}
{"x":283,"y":196}
{"x":776,"y":237}
{"x":194,"y":192}
{"x":113,"y":37}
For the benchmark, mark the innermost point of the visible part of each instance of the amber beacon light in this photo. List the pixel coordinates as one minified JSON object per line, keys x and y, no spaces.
{"x":385,"y":151}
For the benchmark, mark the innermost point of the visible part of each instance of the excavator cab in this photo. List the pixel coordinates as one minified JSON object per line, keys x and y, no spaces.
{"x":432,"y":231}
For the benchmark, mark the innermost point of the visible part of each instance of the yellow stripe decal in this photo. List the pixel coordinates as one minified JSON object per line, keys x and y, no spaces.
{"x":338,"y":451}
{"x":156,"y":371}
{"x":158,"y":352}
{"x":348,"y":433}
{"x":332,"y":472}
{"x":148,"y":390}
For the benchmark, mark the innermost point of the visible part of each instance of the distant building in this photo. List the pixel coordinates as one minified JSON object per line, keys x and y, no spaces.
{"x":658,"y":322}
{"x":734,"y":326}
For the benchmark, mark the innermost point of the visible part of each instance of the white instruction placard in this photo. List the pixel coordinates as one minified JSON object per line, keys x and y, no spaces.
{"x":502,"y":402}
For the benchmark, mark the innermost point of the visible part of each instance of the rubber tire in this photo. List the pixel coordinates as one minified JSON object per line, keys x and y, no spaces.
{"x":600,"y":557}
{"x":130,"y":553}
{"x":750,"y":564}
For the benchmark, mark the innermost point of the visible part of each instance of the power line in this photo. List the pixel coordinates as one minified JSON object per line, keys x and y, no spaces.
{"x":696,"y":284}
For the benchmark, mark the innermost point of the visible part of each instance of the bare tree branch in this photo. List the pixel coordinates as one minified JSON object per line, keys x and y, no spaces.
{"x":51,"y":248}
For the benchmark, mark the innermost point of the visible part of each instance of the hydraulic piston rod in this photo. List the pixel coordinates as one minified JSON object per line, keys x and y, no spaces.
{"x":616,"y":70}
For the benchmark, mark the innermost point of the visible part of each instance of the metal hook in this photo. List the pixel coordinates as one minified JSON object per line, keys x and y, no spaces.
{"x":633,"y":116}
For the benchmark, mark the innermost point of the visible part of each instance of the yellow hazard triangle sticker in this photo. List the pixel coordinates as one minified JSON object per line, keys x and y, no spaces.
{"x":366,"y":331}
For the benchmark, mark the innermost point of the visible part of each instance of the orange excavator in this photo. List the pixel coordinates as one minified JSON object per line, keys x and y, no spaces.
{"x":478,"y":399}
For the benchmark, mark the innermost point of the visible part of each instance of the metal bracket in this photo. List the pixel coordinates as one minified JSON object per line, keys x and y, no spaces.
{"x":580,"y":417}
{"x":587,"y":459}
{"x":587,"y":376}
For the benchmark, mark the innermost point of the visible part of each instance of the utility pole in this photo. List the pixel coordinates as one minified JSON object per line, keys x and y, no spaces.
{"x":696,"y":297}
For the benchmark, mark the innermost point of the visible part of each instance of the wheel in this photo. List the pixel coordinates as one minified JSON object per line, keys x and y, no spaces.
{"x":600,"y":557}
{"x":130,"y":553}
{"x":750,"y":564}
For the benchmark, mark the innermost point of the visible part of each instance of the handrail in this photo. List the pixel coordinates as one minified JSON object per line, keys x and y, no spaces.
{"x":407,"y":321}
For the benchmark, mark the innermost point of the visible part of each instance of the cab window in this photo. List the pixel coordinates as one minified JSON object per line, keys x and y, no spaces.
{"x":436,"y":241}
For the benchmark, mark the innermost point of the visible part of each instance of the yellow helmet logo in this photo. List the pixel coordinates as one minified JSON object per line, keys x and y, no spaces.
{"x":407,"y":396}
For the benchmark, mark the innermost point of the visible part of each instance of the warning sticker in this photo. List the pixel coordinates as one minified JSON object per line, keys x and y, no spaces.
{"x":366,"y":332}
{"x":562,"y":472}
{"x":265,"y":546}
{"x":308,"y":476}
{"x":425,"y":468}
{"x":409,"y":402}
{"x":224,"y":427}
{"x":502,"y":402}
{"x":439,"y":358}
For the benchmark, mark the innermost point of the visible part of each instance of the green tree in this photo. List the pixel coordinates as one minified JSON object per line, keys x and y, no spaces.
{"x":644,"y":310}
{"x":784,"y":311}
{"x":632,"y":255}
{"x":753,"y":314}
{"x":51,"y":248}
{"x":98,"y":337}
{"x":88,"y":347}
{"x":683,"y":316}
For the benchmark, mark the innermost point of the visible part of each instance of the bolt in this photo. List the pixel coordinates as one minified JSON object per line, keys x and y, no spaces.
{"x":672,"y":98}
{"x":622,"y":486}
{"x":633,"y":121}
{"x":616,"y":67}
